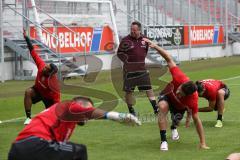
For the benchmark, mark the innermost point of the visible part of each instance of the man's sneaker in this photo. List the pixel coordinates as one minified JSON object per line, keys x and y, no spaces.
{"x":219,"y":124}
{"x":27,"y":121}
{"x":175,"y":135}
{"x":156,"y":111}
{"x":164,"y":146}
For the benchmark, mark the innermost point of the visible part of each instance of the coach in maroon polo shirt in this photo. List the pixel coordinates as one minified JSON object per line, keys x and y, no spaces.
{"x":132,"y":52}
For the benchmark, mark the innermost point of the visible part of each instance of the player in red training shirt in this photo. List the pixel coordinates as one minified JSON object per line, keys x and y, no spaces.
{"x":179,"y":95}
{"x":44,"y":88}
{"x":46,"y":136}
{"x":216,"y":92}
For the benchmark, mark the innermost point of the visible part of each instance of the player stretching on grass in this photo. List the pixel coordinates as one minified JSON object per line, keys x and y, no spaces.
{"x":216,"y":92}
{"x":178,"y":96}
{"x":42,"y":89}
{"x":46,"y":137}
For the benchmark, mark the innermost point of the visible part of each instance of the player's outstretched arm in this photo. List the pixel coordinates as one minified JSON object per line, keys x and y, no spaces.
{"x":162,"y":52}
{"x":39,"y":62}
{"x":199,"y":128}
{"x":209,"y":108}
{"x":115,"y":116}
{"x":27,"y":39}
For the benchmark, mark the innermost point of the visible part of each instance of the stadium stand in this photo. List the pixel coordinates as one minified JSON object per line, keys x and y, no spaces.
{"x":72,"y":13}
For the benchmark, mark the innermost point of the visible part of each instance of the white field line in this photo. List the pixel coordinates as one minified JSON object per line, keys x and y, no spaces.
{"x":13,"y":120}
{"x":231,"y":78}
{"x":234,"y":84}
{"x":142,"y":119}
{"x":22,"y":118}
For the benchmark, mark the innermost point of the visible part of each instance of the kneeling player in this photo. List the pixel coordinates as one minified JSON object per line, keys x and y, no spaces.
{"x":44,"y":88}
{"x":216,"y":92}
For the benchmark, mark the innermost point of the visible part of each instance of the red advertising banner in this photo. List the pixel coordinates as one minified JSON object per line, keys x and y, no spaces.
{"x":83,"y":39}
{"x":204,"y":35}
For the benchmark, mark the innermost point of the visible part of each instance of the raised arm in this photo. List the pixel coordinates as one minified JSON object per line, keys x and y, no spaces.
{"x":39,"y":62}
{"x":162,"y":52}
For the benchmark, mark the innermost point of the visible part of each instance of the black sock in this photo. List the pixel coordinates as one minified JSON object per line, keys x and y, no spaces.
{"x":163,"y":135}
{"x":154,"y":104}
{"x":173,"y":127}
{"x":219,"y":117}
{"x":28,"y":113}
{"x":131,"y":109}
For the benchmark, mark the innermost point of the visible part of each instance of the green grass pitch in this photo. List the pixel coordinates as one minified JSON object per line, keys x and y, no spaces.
{"x":107,"y":140}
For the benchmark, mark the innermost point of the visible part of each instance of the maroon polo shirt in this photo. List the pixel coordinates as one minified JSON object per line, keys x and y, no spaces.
{"x":132,"y":52}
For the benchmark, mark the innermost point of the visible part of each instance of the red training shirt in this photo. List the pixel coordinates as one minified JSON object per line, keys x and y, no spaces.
{"x":57,"y":122}
{"x":43,"y":83}
{"x":211,"y":87}
{"x":190,"y":101}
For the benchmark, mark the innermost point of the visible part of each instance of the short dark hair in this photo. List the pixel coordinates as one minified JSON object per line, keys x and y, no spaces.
{"x":138,"y":24}
{"x":83,"y":99}
{"x":189,"y":88}
{"x":200,"y":86}
{"x":53,"y":68}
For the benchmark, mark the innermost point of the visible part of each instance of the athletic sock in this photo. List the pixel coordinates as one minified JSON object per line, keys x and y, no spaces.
{"x":28,"y":113}
{"x":163,"y":135}
{"x":154,"y":105}
{"x":131,"y":109}
{"x":173,"y":127}
{"x":219,"y":117}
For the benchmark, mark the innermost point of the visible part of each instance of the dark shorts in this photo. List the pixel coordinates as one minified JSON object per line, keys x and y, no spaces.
{"x":176,"y":115}
{"x":140,"y":79}
{"x":226,"y":96}
{"x":227,"y":92}
{"x":38,"y":98}
{"x":39,"y":149}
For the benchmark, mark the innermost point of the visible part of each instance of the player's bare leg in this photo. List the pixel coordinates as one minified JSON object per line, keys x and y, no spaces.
{"x":130,"y":102}
{"x":220,"y":107}
{"x":152,"y":99}
{"x":162,"y":123}
{"x":175,"y":122}
{"x":29,"y":93}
